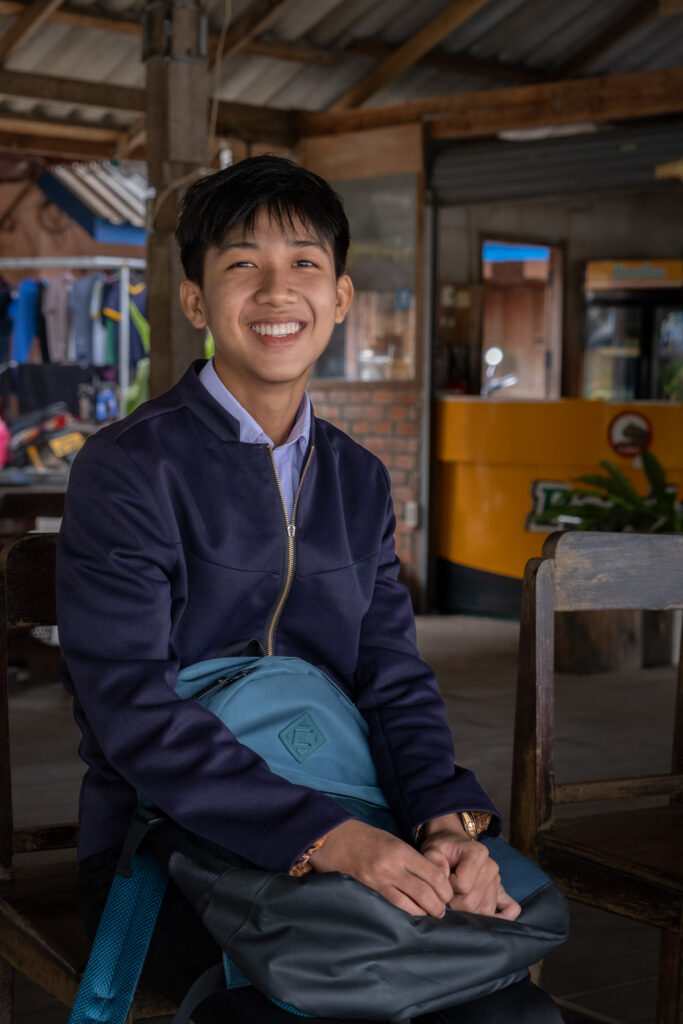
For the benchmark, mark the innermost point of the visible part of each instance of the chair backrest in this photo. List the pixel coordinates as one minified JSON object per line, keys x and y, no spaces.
{"x":581,"y":571}
{"x":27,"y":599}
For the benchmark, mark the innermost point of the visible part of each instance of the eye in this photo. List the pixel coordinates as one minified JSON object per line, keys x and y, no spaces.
{"x":241,"y":263}
{"x":305,"y":263}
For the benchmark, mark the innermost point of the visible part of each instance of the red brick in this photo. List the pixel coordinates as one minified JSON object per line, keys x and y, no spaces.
{"x":398,"y":412}
{"x":383,"y":397}
{"x":404,"y":493}
{"x":398,"y":476}
{"x":406,"y":429}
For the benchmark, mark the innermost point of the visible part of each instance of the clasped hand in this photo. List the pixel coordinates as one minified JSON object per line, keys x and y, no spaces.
{"x":448,"y":870}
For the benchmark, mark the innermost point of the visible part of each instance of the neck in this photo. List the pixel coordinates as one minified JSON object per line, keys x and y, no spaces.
{"x":276,"y":419}
{"x":273,"y":406}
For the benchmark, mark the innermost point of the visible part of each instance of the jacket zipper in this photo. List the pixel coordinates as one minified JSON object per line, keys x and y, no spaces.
{"x":291,"y":551}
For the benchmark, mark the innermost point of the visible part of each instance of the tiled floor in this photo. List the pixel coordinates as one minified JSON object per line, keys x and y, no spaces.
{"x":609,"y":965}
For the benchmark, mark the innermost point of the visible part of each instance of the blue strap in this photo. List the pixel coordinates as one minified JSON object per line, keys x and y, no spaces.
{"x":118,"y":953}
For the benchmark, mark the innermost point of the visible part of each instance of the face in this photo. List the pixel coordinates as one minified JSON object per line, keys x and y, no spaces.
{"x":271,"y":299}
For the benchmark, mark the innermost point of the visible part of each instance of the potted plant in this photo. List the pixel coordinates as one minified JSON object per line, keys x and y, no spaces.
{"x":609,"y":501}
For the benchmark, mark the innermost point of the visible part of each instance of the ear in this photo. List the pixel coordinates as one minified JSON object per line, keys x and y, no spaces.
{"x":344,"y":296}
{"x":192,"y":303}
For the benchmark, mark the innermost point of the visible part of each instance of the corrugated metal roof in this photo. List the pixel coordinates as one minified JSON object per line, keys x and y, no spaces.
{"x":471,"y":172}
{"x":526,"y":36}
{"x":115,"y":192}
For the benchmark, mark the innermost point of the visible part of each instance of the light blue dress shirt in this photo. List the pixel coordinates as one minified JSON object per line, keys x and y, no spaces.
{"x":289,"y":456}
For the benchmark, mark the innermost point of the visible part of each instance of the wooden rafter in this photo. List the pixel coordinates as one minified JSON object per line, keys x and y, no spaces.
{"x":132,"y":139}
{"x":607,"y":98}
{"x":70,"y":90}
{"x":406,"y":55}
{"x":59,"y":129}
{"x":256,"y":19}
{"x":78,"y":18}
{"x":610,"y":98}
{"x":612,"y":34}
{"x":266,"y":124}
{"x":452,"y":62}
{"x":25,"y":26}
{"x":57,"y":148}
{"x":296,"y":53}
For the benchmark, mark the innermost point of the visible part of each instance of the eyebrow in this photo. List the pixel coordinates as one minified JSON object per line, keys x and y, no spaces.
{"x":295,"y":243}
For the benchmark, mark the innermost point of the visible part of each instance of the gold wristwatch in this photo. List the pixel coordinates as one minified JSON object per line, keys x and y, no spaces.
{"x":474,"y":822}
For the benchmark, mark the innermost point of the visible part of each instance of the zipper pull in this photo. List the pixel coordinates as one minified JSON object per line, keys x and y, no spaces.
{"x":291,"y":530}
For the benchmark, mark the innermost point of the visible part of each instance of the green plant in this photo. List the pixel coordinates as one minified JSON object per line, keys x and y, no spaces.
{"x":610,"y":502}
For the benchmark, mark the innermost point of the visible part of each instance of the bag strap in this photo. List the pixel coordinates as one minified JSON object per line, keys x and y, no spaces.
{"x":207,"y":984}
{"x":118,"y":952}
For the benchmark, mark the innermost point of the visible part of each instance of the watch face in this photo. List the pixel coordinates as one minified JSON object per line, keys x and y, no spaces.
{"x":469,"y":824}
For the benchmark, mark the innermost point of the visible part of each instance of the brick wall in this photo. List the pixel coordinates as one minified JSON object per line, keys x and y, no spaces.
{"x":383,"y":417}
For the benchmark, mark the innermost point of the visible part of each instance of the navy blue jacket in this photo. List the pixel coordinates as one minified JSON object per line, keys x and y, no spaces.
{"x":174,"y":543}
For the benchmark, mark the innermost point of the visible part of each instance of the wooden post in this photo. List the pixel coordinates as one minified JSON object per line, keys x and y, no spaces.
{"x":174,"y":51}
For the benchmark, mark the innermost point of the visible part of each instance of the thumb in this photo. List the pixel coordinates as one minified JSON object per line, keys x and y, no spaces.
{"x":506,"y":906}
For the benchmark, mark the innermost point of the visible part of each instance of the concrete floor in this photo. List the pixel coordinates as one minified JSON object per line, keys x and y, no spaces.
{"x":608,"y":965}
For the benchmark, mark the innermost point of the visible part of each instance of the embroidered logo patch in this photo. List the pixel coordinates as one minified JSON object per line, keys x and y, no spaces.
{"x":302,"y":737}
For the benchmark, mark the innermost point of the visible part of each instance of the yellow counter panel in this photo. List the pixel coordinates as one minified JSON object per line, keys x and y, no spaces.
{"x":492,"y":455}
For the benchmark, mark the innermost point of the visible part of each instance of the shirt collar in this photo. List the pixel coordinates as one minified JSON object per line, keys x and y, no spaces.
{"x":250,"y":431}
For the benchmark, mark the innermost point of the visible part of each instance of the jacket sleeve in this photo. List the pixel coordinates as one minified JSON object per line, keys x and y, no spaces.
{"x":399,"y":696}
{"x":120,"y":584}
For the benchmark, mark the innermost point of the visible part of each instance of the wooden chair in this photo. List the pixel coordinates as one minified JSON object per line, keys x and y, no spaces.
{"x":38,"y":905}
{"x":630,"y":861}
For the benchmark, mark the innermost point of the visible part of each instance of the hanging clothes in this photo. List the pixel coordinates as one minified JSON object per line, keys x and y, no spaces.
{"x":98,"y":329}
{"x":111,"y":312}
{"x":5,"y":321}
{"x":24,"y":313}
{"x":79,"y":302}
{"x":56,"y":312}
{"x":42,"y":323}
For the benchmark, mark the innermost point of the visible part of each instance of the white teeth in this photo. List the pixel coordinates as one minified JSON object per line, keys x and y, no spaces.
{"x":277,"y":330}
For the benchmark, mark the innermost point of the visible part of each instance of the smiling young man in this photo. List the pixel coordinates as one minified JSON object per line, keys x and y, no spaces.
{"x":224,"y":511}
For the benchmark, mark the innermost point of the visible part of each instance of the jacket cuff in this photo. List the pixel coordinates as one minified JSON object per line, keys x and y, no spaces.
{"x":302,"y":866}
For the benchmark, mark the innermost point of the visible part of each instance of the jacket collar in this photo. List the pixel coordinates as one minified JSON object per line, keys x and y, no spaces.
{"x":218,"y":420}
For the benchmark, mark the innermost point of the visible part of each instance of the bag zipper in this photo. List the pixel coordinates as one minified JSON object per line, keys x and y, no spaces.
{"x":291,"y":551}
{"x":225,"y":681}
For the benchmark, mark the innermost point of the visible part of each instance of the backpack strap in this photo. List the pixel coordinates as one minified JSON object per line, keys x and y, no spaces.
{"x":118,"y":952}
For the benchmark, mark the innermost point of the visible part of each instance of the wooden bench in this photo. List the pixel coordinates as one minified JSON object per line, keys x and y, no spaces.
{"x":629,"y":862}
{"x":41,"y":934}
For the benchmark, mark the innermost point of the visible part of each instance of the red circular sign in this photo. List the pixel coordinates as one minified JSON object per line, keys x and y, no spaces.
{"x":629,"y":433}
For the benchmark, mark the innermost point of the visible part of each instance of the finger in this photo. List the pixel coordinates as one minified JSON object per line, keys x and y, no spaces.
{"x":474,"y":872}
{"x":507,"y":907}
{"x":423,"y":895}
{"x":403,"y":902}
{"x":435,"y":875}
{"x":439,"y":859}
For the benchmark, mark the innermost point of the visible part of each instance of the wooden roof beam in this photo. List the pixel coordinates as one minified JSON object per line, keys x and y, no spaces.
{"x":25,"y":26}
{"x":455,"y":62}
{"x":49,"y":88}
{"x":54,"y":147}
{"x":609,"y":37}
{"x":266,"y":124}
{"x":256,"y":19}
{"x":314,"y":55}
{"x":472,"y":114}
{"x":410,"y":52}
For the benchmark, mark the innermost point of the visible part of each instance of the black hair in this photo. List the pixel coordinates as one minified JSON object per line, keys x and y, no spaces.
{"x":217,"y":203}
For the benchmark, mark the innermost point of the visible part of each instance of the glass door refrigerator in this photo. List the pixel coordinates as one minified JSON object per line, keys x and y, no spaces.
{"x":633,"y":330}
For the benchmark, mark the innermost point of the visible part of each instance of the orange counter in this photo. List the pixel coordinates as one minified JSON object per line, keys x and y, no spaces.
{"x":497,"y":462}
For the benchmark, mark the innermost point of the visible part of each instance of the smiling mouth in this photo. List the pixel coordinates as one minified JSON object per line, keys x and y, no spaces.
{"x":278,"y":330}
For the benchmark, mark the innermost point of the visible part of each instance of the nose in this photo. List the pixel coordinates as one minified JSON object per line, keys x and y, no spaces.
{"x":275,"y":288}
